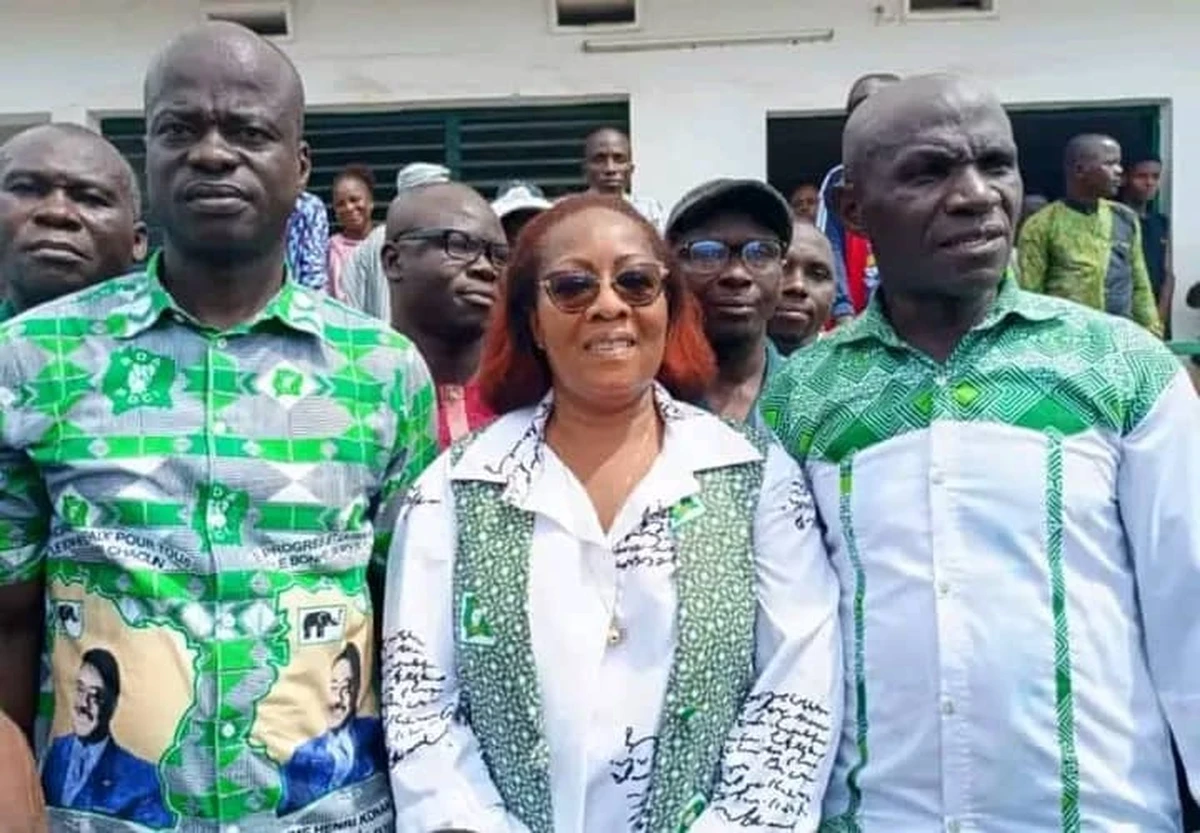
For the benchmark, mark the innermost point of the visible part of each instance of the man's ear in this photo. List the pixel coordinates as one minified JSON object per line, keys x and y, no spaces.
{"x":393,"y":262}
{"x":141,"y":242}
{"x":849,"y":207}
{"x":305,"y":165}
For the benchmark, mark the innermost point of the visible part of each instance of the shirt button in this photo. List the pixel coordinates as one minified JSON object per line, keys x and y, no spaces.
{"x":228,"y":731}
{"x":947,"y":707}
{"x":222,"y":342}
{"x":943,"y":588}
{"x":937,"y":477}
{"x":220,"y":427}
{"x":953,"y":826}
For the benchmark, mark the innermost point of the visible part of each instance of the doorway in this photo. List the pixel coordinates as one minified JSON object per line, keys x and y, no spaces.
{"x":800,"y":149}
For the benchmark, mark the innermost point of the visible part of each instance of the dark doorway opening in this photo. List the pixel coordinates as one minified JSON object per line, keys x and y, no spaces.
{"x":801,"y":149}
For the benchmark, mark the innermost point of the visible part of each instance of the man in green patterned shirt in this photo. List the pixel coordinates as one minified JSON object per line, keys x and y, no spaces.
{"x":1008,"y":486}
{"x":70,"y":214}
{"x":1087,"y":248}
{"x":200,"y":462}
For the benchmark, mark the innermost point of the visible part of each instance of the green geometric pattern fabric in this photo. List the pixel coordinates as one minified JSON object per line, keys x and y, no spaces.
{"x":1064,"y":700}
{"x":1034,"y":362}
{"x":206,"y":506}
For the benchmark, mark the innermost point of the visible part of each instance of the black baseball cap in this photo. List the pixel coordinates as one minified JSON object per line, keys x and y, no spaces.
{"x":751,"y":197}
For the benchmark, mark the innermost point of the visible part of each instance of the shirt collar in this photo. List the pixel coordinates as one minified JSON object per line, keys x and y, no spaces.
{"x":7,"y":310}
{"x":512,"y":450}
{"x":774,"y":361}
{"x":293,"y":306}
{"x":1011,"y":301}
{"x":91,"y":752}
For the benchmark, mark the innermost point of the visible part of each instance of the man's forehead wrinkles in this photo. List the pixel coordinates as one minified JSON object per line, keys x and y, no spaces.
{"x":218,"y":106}
{"x":88,"y":176}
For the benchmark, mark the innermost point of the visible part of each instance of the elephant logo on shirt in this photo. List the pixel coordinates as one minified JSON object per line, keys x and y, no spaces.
{"x":320,"y":625}
{"x":68,"y":616}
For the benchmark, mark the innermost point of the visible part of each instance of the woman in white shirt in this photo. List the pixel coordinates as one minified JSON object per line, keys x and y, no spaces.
{"x":609,"y":610}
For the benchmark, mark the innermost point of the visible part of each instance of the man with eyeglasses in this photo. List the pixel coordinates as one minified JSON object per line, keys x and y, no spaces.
{"x":730,"y":237}
{"x":444,"y":251}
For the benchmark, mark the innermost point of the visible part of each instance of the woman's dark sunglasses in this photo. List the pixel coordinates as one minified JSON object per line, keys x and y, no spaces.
{"x":574,"y":291}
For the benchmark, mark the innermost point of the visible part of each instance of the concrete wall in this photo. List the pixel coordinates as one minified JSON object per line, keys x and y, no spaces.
{"x":695,"y":113}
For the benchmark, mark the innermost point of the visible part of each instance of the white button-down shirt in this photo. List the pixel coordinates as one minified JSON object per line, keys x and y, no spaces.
{"x":1017,"y":534}
{"x":602,"y":702}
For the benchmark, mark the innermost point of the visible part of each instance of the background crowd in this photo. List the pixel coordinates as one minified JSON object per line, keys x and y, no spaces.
{"x":505,"y":455}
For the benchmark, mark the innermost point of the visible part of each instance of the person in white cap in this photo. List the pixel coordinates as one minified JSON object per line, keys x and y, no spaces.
{"x":517,"y":202}
{"x":363,"y":284}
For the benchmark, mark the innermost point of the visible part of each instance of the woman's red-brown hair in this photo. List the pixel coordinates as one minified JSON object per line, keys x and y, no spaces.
{"x":514,"y":374}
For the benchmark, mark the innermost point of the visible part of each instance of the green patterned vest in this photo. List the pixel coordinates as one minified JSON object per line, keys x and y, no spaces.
{"x":712,"y":670}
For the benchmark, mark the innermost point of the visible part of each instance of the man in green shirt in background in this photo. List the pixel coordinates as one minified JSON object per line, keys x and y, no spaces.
{"x":1087,"y":248}
{"x":70,"y":215}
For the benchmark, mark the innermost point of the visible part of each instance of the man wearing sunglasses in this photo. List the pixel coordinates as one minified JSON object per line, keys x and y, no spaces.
{"x":730,"y":237}
{"x":444,"y":251}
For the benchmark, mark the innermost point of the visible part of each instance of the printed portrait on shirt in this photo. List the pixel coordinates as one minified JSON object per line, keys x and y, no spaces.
{"x":320,"y":722}
{"x":115,"y":712}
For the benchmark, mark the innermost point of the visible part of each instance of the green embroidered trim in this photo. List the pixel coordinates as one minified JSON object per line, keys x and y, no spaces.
{"x":1064,"y":699}
{"x":848,"y":821}
{"x":713,"y":666}
{"x":494,"y":657}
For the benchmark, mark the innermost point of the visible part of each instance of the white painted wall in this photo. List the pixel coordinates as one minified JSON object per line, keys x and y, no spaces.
{"x":695,"y":114}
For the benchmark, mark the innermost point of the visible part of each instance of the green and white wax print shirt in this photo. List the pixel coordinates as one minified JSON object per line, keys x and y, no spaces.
{"x":1017,"y":535}
{"x":602,"y":703}
{"x":203,"y":507}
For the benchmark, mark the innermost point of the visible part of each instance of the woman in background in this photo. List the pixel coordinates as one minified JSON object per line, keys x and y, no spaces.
{"x":610,"y":610}
{"x":353,"y":205}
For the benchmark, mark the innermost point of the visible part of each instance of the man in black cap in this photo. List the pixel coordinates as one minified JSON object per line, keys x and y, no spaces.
{"x":731,"y":236}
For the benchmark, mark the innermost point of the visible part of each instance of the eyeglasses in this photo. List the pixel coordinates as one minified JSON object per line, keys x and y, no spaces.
{"x":708,"y":257}
{"x":459,"y":245}
{"x":574,"y":291}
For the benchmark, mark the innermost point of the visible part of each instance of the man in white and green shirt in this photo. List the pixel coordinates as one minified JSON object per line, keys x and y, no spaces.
{"x":199,"y":461}
{"x":1009,"y":486}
